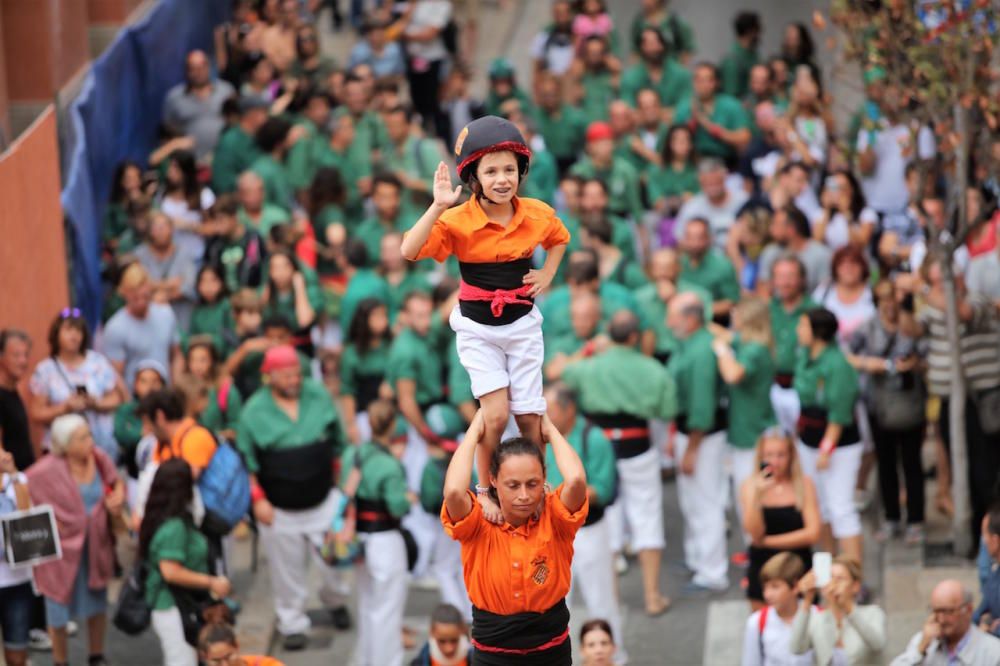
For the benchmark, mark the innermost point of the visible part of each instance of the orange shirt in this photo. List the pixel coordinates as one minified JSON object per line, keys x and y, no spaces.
{"x":191,"y":442}
{"x":510,"y":569}
{"x":466,"y":232}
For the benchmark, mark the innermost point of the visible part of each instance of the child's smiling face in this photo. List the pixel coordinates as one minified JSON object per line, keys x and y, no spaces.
{"x":499,"y":176}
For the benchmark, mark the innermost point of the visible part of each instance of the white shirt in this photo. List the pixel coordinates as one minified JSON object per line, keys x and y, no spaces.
{"x":429,"y":14}
{"x":774,"y":643}
{"x":720,"y":218}
{"x":837,"y":229}
{"x":960,"y":259}
{"x":885,"y":187}
{"x":850,"y":316}
{"x":8,"y":504}
{"x":557,"y":56}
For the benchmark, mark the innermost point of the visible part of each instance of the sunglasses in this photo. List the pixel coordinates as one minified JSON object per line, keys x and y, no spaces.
{"x":68,"y":313}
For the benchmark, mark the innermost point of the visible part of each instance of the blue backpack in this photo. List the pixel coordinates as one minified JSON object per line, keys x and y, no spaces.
{"x":225,"y":490}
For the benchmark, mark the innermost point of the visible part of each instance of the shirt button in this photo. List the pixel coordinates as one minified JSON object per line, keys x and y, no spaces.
{"x":517,"y":564}
{"x":517,"y":594}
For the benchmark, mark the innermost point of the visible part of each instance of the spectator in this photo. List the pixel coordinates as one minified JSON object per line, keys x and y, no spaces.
{"x":75,"y":379}
{"x":389,"y":216}
{"x":15,"y":435}
{"x":656,"y":70}
{"x":128,"y":191}
{"x":363,"y":366}
{"x":675,"y":181}
{"x":79,"y":481}
{"x":385,"y":57}
{"x":896,"y":410}
{"x":150,"y":376}
{"x":223,"y":400}
{"x":745,"y":243}
{"x":177,"y":555}
{"x":236,"y":149}
{"x":790,"y":235}
{"x":327,"y":198}
{"x":261,"y":82}
{"x":716,"y":203}
{"x":593,"y":559}
{"x":797,"y":47}
{"x":458,"y":106}
{"x":596,"y":234}
{"x":632,"y":390}
{"x":410,"y":157}
{"x":172,"y":269}
{"x":699,"y":446}
{"x":904,"y":231}
{"x":17,"y":598}
{"x":597,"y":644}
{"x":780,"y":512}
{"x":948,"y":634}
{"x":503,"y":87}
{"x":936,"y":221}
{"x":424,"y":24}
{"x":735,"y":67}
{"x":195,"y":106}
{"x":847,"y":295}
{"x":562,"y":125}
{"x":254,"y":212}
{"x":720,"y":125}
{"x":400,"y":275}
{"x":273,"y":140}
{"x":185,"y":201}
{"x":768,"y":632}
{"x":619,"y":177}
{"x":676,"y":32}
{"x":141,"y":330}
{"x":846,"y":220}
{"x":705,"y":266}
{"x":829,"y":443}
{"x":553,"y":47}
{"x":806,"y":126}
{"x":292,"y":292}
{"x":987,"y":615}
{"x":846,"y":631}
{"x":354,"y":168}
{"x":278,"y":37}
{"x":289,"y":435}
{"x":791,"y":185}
{"x":212,"y":314}
{"x":310,"y":68}
{"x":585,"y":318}
{"x":217,"y":644}
{"x":789,"y":303}
{"x":448,"y":640}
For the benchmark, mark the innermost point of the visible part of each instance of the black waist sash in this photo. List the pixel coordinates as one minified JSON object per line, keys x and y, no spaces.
{"x":505,"y":275}
{"x":296,"y":478}
{"x":374,"y":516}
{"x":625,"y":447}
{"x":522,"y":631}
{"x":812,"y":424}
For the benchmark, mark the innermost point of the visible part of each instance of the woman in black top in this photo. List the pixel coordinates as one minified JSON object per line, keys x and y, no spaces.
{"x":780,"y":508}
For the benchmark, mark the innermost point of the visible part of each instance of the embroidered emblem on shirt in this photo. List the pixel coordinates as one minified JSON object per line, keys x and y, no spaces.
{"x":541,"y":573}
{"x":460,"y":141}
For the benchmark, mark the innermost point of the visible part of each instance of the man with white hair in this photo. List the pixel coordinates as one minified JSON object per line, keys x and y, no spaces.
{"x":948,"y":636}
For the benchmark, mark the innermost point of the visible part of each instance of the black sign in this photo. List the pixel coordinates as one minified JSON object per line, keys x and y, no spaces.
{"x":30,"y":537}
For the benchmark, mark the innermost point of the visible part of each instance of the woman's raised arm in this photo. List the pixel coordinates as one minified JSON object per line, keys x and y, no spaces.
{"x":574,"y":491}
{"x":459,"y":476}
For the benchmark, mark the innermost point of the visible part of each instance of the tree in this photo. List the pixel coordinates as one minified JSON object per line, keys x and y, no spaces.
{"x":936,"y":57}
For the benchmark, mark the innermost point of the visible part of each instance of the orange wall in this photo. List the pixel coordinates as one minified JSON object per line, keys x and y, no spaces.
{"x":110,"y":11}
{"x":4,"y":98}
{"x":33,"y":271}
{"x":48,"y":40}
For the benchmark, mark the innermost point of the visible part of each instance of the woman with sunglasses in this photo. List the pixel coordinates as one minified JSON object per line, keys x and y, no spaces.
{"x":75,"y":379}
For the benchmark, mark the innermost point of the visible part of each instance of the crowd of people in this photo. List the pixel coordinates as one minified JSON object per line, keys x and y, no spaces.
{"x":747,"y":303}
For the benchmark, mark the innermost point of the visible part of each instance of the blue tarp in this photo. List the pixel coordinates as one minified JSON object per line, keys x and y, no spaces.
{"x":116,"y":116}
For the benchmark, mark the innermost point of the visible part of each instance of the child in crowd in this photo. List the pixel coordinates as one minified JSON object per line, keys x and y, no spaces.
{"x":448,"y":643}
{"x":767,"y":637}
{"x":597,"y":643}
{"x":211,"y":315}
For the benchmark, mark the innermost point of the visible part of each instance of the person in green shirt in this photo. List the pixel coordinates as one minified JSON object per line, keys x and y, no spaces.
{"x":176,"y":554}
{"x":620,"y":390}
{"x":594,"y":200}
{"x":236,"y":149}
{"x":597,"y":76}
{"x":272,"y":141}
{"x":620,"y":178}
{"x":596,"y":234}
{"x":401,"y":275}
{"x":292,"y":291}
{"x":675,"y":30}
{"x":223,"y":402}
{"x":411,"y":158}
{"x":699,"y":446}
{"x":707,"y":267}
{"x":593,"y":567}
{"x":656,"y":70}
{"x":387,"y":199}
{"x":363,"y":366}
{"x":675,"y":180}
{"x":254,"y":212}
{"x":503,"y":87}
{"x":301,"y":162}
{"x":742,"y":56}
{"x":289,"y":434}
{"x":212,"y":314}
{"x":150,"y":376}
{"x":561,"y":125}
{"x":340,"y":152}
{"x":747,"y":367}
{"x":544,"y":170}
{"x":585,"y":318}
{"x":829,"y":444}
{"x":720,"y":123}
{"x":787,"y":305}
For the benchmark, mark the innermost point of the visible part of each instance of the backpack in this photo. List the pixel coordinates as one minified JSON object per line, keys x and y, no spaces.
{"x":225,"y":490}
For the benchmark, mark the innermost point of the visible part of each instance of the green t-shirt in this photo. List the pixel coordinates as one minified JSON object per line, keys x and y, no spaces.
{"x":128,"y":428}
{"x":494,"y":102}
{"x":599,"y":90}
{"x":222,"y":415}
{"x":301,"y":162}
{"x":418,"y":157}
{"x":734,"y":70}
{"x":750,"y":411}
{"x":543,"y":178}
{"x":675,"y":30}
{"x":621,"y":181}
{"x":383,"y":478}
{"x":174,"y":541}
{"x":656,"y":313}
{"x":597,"y":455}
{"x":213,"y":319}
{"x":372,"y":231}
{"x":234,"y":154}
{"x":614,"y":297}
{"x":412,"y":357}
{"x":459,"y":382}
{"x":827,"y":381}
{"x":352,"y":165}
{"x":365,"y":283}
{"x":673,"y":86}
{"x":264,"y":426}
{"x":783,"y":324}
{"x":410,"y":283}
{"x":696,"y":372}
{"x":563,"y":131}
{"x":715,"y":274}
{"x":270,"y":216}
{"x":623,"y":380}
{"x":357,"y":367}
{"x":665,"y":181}
{"x":726,"y":112}
{"x":277,"y":188}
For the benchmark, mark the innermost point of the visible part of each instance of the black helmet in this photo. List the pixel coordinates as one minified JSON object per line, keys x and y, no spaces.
{"x":489,"y":134}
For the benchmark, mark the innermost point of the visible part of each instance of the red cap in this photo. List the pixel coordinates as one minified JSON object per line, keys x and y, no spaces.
{"x":598,"y":130}
{"x":277,"y":358}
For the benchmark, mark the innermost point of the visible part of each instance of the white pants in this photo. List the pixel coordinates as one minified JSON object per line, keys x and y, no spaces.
{"x":594,"y":576}
{"x":500,"y":356}
{"x":659,"y":436}
{"x":290,"y":542}
{"x":835,"y":486}
{"x":785,"y":402}
{"x":382,"y":581}
{"x":446,"y":567}
{"x":740,"y":469}
{"x":170,"y":630}
{"x":702,"y":497}
{"x":639,"y":506}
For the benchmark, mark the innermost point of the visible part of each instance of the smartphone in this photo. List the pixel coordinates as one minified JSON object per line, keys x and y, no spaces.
{"x":81,"y":390}
{"x":821,"y":568}
{"x":765,"y":469}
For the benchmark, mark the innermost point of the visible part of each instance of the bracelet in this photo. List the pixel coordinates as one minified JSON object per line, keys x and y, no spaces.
{"x":827,"y":446}
{"x":256,"y":493}
{"x":481,"y":490}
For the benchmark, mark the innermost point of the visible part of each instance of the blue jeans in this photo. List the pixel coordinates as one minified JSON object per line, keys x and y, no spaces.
{"x":16,"y":607}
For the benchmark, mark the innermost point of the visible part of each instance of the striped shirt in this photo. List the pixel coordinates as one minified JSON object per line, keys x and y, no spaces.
{"x":979,"y":353}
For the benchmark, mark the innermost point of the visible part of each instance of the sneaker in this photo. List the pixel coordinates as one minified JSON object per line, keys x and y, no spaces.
{"x":621,"y":564}
{"x":889,"y":530}
{"x":914,"y":535}
{"x":72,"y":628}
{"x":38,"y":640}
{"x":341,"y":618}
{"x":295,"y":642}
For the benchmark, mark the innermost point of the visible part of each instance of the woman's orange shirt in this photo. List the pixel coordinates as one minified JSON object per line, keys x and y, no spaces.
{"x":466,"y":232}
{"x":510,"y":569}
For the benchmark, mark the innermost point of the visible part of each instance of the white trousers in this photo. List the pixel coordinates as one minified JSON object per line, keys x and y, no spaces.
{"x":498,"y":357}
{"x":291,"y":541}
{"x":702,"y":497}
{"x":835,"y":486}
{"x":446,"y":567}
{"x":659,"y":435}
{"x":382,"y":583}
{"x":785,"y":402}
{"x":594,"y":576}
{"x":170,"y":630}
{"x":740,"y":469}
{"x":639,"y":506}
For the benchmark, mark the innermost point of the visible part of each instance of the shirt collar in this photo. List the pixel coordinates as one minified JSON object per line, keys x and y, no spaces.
{"x":480,"y":219}
{"x":953,"y":656}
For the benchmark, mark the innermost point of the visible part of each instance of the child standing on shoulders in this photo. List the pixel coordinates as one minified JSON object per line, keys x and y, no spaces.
{"x":494,"y":235}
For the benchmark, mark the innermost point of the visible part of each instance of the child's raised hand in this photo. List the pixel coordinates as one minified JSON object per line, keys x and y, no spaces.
{"x":444,"y":195}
